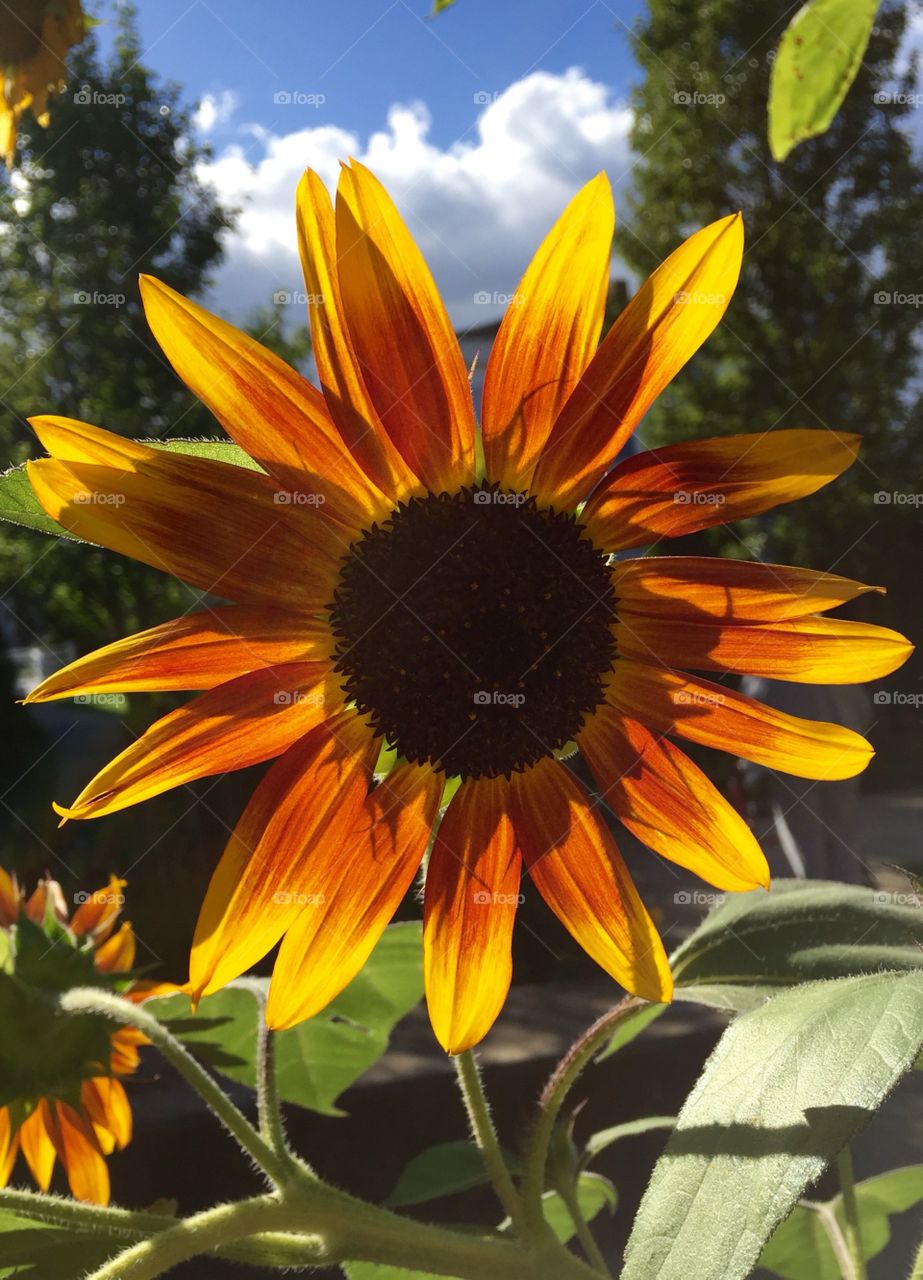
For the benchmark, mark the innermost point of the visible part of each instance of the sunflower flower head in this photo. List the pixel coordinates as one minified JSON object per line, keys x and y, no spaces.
{"x":60,"y":1093}
{"x":404,"y":575}
{"x":35,"y":37}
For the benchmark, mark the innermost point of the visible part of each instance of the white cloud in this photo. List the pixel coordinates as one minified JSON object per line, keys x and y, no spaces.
{"x":214,"y":108}
{"x":478,"y":208}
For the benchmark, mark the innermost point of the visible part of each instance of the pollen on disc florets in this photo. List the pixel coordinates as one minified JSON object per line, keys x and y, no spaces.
{"x":474,"y":629}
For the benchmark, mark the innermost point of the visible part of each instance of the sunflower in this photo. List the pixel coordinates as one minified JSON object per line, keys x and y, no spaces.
{"x":34,"y":41}
{"x":405,"y":580}
{"x":62,"y":1083}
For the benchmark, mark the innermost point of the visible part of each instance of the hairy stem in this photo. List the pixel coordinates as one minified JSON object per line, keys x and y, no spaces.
{"x":853,"y":1228}
{"x":485,"y":1135}
{"x":584,"y":1234}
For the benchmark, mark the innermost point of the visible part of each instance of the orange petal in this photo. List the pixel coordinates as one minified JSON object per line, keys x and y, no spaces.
{"x":547,"y":336}
{"x":302,"y":811}
{"x":471,"y":895}
{"x":213,"y":525}
{"x":813,"y":650}
{"x":665,"y":323}
{"x":267,"y":407}
{"x":97,"y":911}
{"x":37,"y":1146}
{"x":123,"y":1051}
{"x":577,"y":868}
{"x":9,"y":1146}
{"x":669,"y":804}
{"x":334,"y":356}
{"x":242,"y":722}
{"x":78,"y":1150}
{"x":117,"y":955}
{"x":106,"y":1103}
{"x":718,"y":716}
{"x":664,"y":493}
{"x":402,"y":336}
{"x":195,"y":652}
{"x":702,"y":587}
{"x":10,"y":898}
{"x":355,"y":888}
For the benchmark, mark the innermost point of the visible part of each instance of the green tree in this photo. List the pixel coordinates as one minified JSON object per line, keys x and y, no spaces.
{"x":108,"y":191}
{"x":822,"y":331}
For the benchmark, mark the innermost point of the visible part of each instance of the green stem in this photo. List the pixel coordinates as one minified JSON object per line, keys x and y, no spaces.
{"x":268,"y":1106}
{"x":853,"y":1226}
{"x":485,"y":1135}
{"x":92,"y":1000}
{"x":85,"y":1217}
{"x":917,"y":1272}
{"x":584,"y":1234}
{"x":552,"y":1100}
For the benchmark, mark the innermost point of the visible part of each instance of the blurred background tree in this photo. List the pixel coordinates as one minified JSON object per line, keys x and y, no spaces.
{"x":814,"y":336}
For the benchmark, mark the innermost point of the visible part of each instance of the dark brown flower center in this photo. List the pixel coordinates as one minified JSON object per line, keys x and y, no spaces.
{"x":474,"y":629}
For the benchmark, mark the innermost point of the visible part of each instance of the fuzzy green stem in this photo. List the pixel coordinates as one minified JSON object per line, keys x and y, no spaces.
{"x":485,"y":1135}
{"x":85,"y":1217}
{"x":553,"y":1096}
{"x":268,"y":1105}
{"x":917,"y":1272}
{"x":853,"y":1226}
{"x":584,"y":1234}
{"x":102,"y":1003}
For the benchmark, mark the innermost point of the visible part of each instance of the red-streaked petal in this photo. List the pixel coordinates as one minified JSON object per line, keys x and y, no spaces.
{"x":548,"y":335}
{"x":470,"y":900}
{"x":353,"y":891}
{"x":717,"y":716}
{"x":669,"y":804}
{"x":402,"y":336}
{"x":242,"y":722}
{"x":338,"y":368}
{"x":97,"y":911}
{"x":267,"y":407}
{"x":813,"y":650}
{"x":577,"y":868}
{"x":106,"y":1103}
{"x":665,"y":323}
{"x":117,"y":954}
{"x":213,"y":525}
{"x":193,"y":653}
{"x":665,"y":493}
{"x":9,"y":1146}
{"x":78,"y":1149}
{"x":304,"y":809}
{"x":705,"y":587}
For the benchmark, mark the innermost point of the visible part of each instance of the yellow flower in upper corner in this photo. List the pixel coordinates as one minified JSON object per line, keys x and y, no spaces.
{"x":34,"y":41}
{"x":61,"y":1095}
{"x":389,"y":590}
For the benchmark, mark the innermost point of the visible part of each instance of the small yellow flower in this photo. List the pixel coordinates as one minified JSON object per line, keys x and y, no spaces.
{"x":394,"y":589}
{"x":35,"y":37}
{"x":78,"y":1112}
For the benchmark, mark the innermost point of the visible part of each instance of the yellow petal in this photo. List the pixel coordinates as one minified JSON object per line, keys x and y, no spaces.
{"x":665,"y":323}
{"x":548,"y":334}
{"x":669,"y":804}
{"x":470,"y":901}
{"x":37,"y":1146}
{"x":79,"y":1152}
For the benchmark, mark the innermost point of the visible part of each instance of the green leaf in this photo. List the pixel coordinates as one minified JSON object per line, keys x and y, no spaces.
{"x":606,"y":1137}
{"x":19,"y":505}
{"x":594,"y":1193}
{"x":800,"y":1248}
{"x":817,"y":60}
{"x":631,"y":1026}
{"x":442,"y":1170}
{"x":787,"y":1086}
{"x":440,"y":6}
{"x":35,"y":1251}
{"x":317,"y":1060}
{"x":755,"y":943}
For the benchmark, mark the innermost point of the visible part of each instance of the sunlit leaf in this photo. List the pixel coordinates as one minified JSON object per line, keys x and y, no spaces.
{"x":442,"y":1170}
